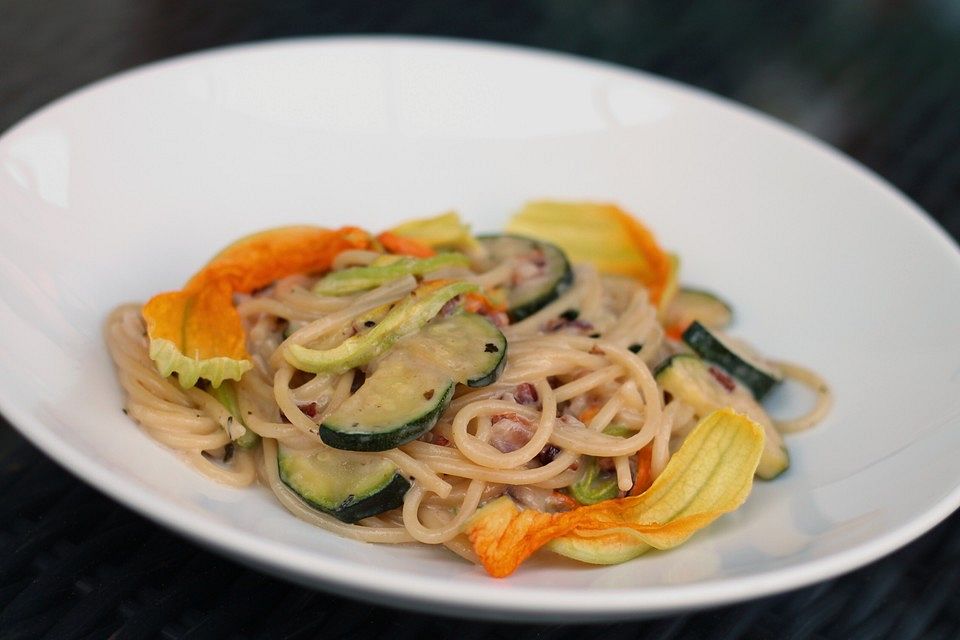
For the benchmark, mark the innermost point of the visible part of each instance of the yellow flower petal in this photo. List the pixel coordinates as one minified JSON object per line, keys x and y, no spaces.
{"x":710,"y":475}
{"x":445,"y":231}
{"x":601,"y":234}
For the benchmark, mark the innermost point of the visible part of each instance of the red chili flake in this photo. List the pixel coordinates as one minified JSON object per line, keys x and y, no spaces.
{"x":725,"y":380}
{"x":439,"y":440}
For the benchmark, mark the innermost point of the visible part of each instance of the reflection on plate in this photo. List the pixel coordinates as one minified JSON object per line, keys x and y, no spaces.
{"x":121,"y":190}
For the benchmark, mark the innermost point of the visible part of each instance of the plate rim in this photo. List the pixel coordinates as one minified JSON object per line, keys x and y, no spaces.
{"x":422,"y":592}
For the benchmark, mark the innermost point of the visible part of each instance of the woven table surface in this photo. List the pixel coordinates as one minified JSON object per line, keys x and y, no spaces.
{"x":880,"y":80}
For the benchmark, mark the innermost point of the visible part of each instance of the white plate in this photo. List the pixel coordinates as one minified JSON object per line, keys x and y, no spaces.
{"x":123,"y":189}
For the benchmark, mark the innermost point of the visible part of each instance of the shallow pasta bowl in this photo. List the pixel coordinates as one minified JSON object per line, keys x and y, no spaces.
{"x":123,"y":189}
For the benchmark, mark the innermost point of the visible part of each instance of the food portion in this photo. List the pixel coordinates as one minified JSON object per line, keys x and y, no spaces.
{"x":550,"y":389}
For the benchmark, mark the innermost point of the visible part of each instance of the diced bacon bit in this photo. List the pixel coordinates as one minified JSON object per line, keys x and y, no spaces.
{"x":725,"y":380}
{"x":548,"y":454}
{"x":510,"y":431}
{"x":526,"y":394}
{"x":309,"y":409}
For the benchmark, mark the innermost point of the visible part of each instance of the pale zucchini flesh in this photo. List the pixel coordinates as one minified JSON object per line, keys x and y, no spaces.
{"x":688,"y":378}
{"x":466,"y":346}
{"x":399,"y":402}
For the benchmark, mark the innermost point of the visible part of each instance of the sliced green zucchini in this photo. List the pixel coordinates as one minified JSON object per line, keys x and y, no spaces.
{"x":594,"y":485}
{"x":404,"y":396}
{"x":706,"y":387}
{"x":466,"y":346}
{"x":349,"y":487}
{"x":405,"y":318}
{"x":355,"y":279}
{"x":740,"y":360}
{"x":398,"y":403}
{"x":695,"y":304}
{"x":550,"y":272}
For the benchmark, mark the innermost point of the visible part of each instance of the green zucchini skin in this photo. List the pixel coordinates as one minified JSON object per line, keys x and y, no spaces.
{"x":522,"y":304}
{"x":492,"y":375}
{"x":747,"y":370}
{"x":384,"y":437}
{"x":314,"y":481}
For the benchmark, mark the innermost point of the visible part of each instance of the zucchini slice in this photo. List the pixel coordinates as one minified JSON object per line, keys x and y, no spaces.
{"x":349,"y":487}
{"x":695,"y":304}
{"x":740,"y":360}
{"x":706,"y":388}
{"x":406,"y":393}
{"x":542,"y":272}
{"x":467,"y":346}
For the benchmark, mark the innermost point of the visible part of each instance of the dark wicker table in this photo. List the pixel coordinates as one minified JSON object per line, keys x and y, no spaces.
{"x":878,"y":79}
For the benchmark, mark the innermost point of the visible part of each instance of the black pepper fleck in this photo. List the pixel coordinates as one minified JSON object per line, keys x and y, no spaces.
{"x":491,"y":348}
